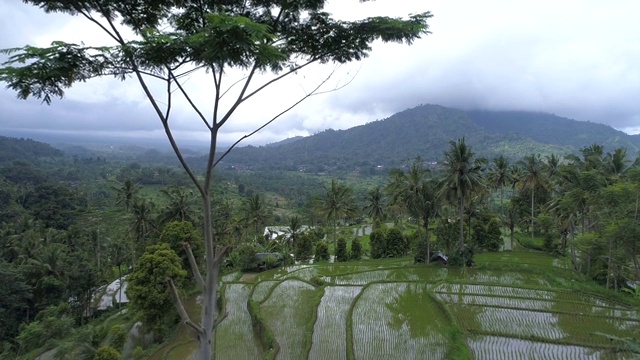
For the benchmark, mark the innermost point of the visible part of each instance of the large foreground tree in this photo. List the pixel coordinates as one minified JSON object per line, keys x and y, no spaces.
{"x":160,"y":43}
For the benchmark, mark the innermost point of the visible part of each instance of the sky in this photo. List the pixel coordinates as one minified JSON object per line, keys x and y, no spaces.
{"x":577,"y":59}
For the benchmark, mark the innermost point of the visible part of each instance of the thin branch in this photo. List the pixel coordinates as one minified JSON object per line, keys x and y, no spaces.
{"x":90,"y":18}
{"x":193,"y":106}
{"x":184,"y":316}
{"x":194,"y":265}
{"x":242,"y":99}
{"x":312,"y":93}
{"x":232,"y":85}
{"x":220,"y":254}
{"x":168,"y":110}
{"x":240,"y":96}
{"x":219,"y":319}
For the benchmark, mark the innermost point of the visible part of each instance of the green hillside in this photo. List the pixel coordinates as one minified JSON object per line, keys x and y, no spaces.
{"x":425,"y":131}
{"x":551,"y":129}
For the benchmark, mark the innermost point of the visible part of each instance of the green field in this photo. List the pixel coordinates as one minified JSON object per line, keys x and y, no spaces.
{"x":511,"y":305}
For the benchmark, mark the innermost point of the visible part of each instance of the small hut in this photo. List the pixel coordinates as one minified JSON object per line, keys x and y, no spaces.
{"x":440,"y":258}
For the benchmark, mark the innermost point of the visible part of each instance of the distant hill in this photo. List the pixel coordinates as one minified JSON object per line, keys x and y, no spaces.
{"x":551,"y":129}
{"x":12,"y":149}
{"x":425,"y":131}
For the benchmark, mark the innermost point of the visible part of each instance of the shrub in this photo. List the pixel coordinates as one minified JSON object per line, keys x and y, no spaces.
{"x":117,"y":336}
{"x":378,"y":244}
{"x":356,"y":249}
{"x":107,"y":353}
{"x":461,"y":258}
{"x":246,"y":257}
{"x":419,"y":244}
{"x":341,"y":250}
{"x":447,"y":236}
{"x":322,"y":252}
{"x":494,"y":235}
{"x":304,"y":246}
{"x":396,"y":245}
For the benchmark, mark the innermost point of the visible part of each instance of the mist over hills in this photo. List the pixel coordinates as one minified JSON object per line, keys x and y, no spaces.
{"x":425,"y":131}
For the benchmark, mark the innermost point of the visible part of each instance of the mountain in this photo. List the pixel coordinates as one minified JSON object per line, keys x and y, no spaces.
{"x":426,"y":131}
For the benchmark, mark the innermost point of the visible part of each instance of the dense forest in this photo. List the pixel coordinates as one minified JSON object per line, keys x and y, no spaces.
{"x":70,"y":225}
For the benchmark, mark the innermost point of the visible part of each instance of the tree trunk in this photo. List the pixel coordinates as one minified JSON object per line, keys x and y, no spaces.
{"x":120,"y":287}
{"x":532,"y":217}
{"x":461,"y":222}
{"x":609,"y":264}
{"x":210,"y":291}
{"x":426,"y":234}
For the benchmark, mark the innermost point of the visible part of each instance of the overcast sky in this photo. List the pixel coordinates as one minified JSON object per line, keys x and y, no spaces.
{"x":578,"y":59}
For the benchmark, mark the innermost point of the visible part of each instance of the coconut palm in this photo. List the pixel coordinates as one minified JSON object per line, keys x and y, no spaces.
{"x":533,"y":176}
{"x":337,"y":202}
{"x":499,"y":176}
{"x":462,"y":176}
{"x":127,"y":193}
{"x":375,"y":207}
{"x":143,"y":223}
{"x":180,"y":202}
{"x":255,"y":213}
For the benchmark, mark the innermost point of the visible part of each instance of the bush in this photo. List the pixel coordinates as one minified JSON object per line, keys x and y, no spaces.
{"x":461,"y":258}
{"x":107,"y":353}
{"x":322,"y":252}
{"x":246,"y":257}
{"x":447,"y":236}
{"x":117,"y":336}
{"x":356,"y":249}
{"x":419,"y":248}
{"x":378,"y":244}
{"x":494,"y":235}
{"x":341,"y":250}
{"x":396,"y":245}
{"x":304,"y":247}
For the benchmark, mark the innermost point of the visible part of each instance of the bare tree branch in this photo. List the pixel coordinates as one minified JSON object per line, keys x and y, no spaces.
{"x":232,"y":85}
{"x":186,"y":96}
{"x":220,"y":253}
{"x":194,"y":266}
{"x":240,"y":97}
{"x":219,"y":319}
{"x":169,"y":93}
{"x":184,"y":316}
{"x":312,"y":93}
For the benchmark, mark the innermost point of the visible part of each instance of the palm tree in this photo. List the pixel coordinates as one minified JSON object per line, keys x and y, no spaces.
{"x":462,"y":176}
{"x":532,"y":176}
{"x":127,"y":193}
{"x":143,"y":223}
{"x":499,"y":176}
{"x":337,"y":203}
{"x":255,"y":212}
{"x":179,"y":206}
{"x":375,"y":205}
{"x":295,"y":229}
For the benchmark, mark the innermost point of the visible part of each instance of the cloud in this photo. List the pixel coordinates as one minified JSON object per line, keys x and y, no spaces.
{"x":573,"y":58}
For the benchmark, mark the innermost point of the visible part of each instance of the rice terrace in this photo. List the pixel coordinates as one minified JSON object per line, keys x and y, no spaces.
{"x":519,"y":304}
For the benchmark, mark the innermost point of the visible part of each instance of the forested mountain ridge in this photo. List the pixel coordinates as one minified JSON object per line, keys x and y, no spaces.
{"x":552,"y":129}
{"x":25,"y":149}
{"x":425,"y":131}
